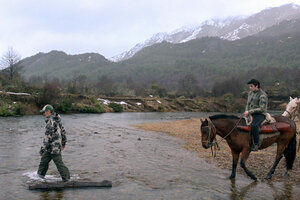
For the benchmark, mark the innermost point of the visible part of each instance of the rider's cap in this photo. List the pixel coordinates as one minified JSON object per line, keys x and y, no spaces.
{"x":47,"y":107}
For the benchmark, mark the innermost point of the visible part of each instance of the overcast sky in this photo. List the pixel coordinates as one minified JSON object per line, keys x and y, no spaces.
{"x":107,"y":27}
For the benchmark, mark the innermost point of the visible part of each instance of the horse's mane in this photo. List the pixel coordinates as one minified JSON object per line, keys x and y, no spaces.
{"x":222,"y":116}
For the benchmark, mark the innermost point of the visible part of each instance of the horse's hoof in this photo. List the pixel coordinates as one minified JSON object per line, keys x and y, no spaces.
{"x":268,"y":177}
{"x":286,"y":174}
{"x":230,"y":177}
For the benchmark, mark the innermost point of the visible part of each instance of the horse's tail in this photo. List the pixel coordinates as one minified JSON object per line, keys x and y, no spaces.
{"x":290,"y":153}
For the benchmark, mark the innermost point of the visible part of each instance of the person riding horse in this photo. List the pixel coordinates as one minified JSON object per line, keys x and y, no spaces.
{"x":256,"y":107}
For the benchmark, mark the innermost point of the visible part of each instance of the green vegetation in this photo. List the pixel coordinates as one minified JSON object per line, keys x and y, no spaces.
{"x":10,"y":110}
{"x":210,"y":68}
{"x":200,"y":67}
{"x":116,"y":107}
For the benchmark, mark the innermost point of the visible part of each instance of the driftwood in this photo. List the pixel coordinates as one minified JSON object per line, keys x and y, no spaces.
{"x":18,"y":94}
{"x":69,"y":184}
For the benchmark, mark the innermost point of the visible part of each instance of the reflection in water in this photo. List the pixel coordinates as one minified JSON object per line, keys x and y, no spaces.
{"x":240,"y":194}
{"x":282,"y":191}
{"x":284,"y":194}
{"x":49,"y":195}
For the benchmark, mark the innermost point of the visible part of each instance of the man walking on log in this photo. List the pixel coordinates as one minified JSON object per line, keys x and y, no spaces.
{"x":54,"y":142}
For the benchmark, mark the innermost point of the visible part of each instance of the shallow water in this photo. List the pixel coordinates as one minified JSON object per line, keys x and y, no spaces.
{"x":141,"y":165}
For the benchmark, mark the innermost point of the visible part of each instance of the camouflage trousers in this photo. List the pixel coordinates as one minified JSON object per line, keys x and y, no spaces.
{"x":57,"y":159}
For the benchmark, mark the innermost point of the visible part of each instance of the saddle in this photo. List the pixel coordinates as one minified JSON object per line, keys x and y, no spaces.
{"x":268,"y":128}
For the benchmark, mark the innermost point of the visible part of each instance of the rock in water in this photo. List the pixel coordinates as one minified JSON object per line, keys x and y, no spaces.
{"x":69,"y":184}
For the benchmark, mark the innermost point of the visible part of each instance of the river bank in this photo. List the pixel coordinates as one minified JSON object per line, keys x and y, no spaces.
{"x":140,"y":164}
{"x":259,"y":162}
{"x":18,"y":104}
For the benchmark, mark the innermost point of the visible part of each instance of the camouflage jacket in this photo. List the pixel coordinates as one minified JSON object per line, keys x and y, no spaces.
{"x":257,"y":102}
{"x":55,"y":135}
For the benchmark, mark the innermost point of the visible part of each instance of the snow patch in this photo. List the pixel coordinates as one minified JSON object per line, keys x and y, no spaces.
{"x":234,"y":35}
{"x":158,"y":101}
{"x":138,"y":103}
{"x":122,"y":103}
{"x":104,"y":101}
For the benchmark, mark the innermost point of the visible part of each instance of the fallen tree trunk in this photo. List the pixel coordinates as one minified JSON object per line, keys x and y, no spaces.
{"x":69,"y":184}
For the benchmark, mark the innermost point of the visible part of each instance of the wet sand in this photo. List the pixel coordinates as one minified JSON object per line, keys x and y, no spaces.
{"x":258,"y":162}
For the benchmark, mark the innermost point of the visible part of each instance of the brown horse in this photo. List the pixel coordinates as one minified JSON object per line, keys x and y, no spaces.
{"x":240,"y":141}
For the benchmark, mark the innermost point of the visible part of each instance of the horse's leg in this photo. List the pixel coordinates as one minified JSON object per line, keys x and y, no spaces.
{"x":279,"y":154}
{"x":245,"y":155}
{"x":235,"y":159}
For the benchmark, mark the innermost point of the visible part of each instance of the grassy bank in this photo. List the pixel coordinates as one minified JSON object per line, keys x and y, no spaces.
{"x":30,"y":104}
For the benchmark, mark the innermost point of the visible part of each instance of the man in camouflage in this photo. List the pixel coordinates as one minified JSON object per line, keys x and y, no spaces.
{"x":256,"y":107}
{"x":54,"y":142}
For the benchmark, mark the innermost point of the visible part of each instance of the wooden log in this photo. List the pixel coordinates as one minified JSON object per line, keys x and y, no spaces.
{"x":18,"y":94}
{"x":69,"y":184}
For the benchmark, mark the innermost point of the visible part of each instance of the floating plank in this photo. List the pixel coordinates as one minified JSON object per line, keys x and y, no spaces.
{"x":69,"y":184}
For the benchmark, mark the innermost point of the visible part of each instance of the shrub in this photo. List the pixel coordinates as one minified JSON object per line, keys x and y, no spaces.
{"x":88,"y":109}
{"x":116,"y":107}
{"x":65,"y":105}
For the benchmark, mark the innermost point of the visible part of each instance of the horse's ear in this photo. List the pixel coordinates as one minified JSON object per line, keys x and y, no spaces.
{"x":291,"y":98}
{"x":201,"y":120}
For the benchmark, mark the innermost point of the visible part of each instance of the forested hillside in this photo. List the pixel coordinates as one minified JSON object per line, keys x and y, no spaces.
{"x":194,"y":67}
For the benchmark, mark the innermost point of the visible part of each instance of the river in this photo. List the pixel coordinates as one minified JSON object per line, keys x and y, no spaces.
{"x":140,"y":164}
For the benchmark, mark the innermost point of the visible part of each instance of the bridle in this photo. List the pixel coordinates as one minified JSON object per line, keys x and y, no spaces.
{"x":210,"y":126}
{"x":214,"y":143}
{"x":291,"y":114}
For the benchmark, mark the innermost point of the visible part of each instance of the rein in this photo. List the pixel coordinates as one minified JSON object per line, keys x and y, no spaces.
{"x":215,"y":142}
{"x":231,"y":129}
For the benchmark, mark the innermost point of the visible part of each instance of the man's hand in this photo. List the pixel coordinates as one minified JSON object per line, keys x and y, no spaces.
{"x":246,"y":113}
{"x":63,"y":147}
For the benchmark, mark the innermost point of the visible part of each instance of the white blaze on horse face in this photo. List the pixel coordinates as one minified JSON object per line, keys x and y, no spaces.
{"x":291,"y":107}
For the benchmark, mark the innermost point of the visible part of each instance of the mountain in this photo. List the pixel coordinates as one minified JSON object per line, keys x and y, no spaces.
{"x":271,"y":55}
{"x":60,"y":65}
{"x":228,"y":29}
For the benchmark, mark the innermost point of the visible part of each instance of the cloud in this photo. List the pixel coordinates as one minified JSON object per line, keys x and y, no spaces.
{"x":106,"y":27}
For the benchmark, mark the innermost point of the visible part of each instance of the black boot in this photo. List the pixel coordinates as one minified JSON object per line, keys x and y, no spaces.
{"x":254,"y":147}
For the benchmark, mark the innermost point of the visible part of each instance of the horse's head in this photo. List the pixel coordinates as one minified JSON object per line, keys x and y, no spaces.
{"x":292,"y":108}
{"x":208,"y":132}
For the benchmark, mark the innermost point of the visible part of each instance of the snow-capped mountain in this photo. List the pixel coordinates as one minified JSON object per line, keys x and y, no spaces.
{"x":229,"y":29}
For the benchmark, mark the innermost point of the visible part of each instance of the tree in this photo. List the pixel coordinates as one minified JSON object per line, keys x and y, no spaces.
{"x":10,"y":62}
{"x":188,"y":85}
{"x":105,"y":85}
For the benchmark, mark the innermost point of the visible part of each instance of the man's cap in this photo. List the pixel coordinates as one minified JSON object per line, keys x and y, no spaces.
{"x":47,"y":107}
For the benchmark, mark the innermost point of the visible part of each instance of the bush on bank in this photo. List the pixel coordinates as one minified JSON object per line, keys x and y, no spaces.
{"x":116,"y":107}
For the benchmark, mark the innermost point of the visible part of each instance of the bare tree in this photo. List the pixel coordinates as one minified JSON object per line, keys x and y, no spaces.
{"x":9,"y":62}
